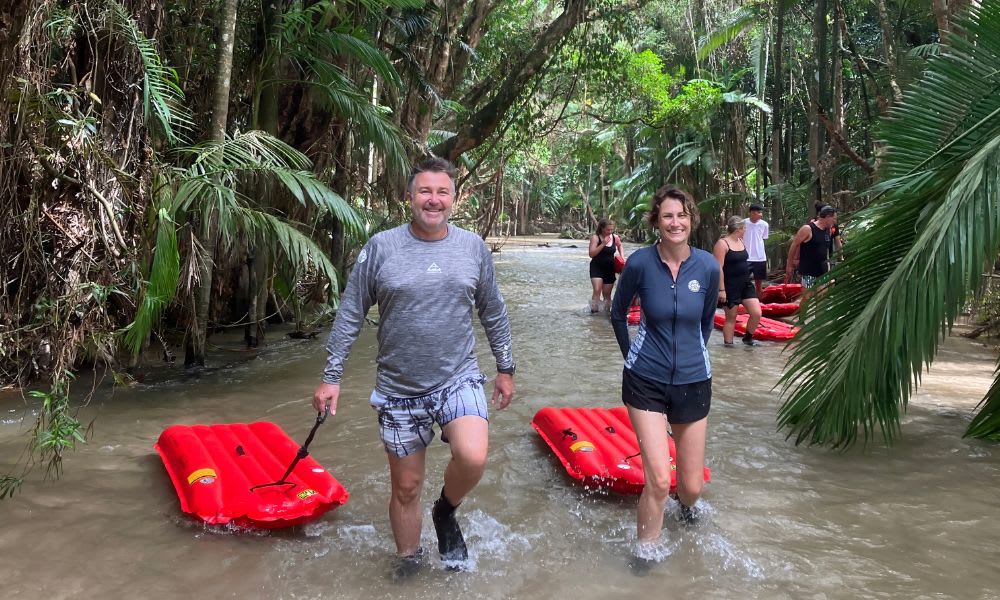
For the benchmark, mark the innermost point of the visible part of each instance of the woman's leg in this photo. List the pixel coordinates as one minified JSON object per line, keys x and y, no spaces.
{"x":597,"y":284}
{"x":606,"y":292}
{"x":753,"y":309}
{"x":729,"y":327}
{"x":651,"y":430}
{"x":689,"y":439}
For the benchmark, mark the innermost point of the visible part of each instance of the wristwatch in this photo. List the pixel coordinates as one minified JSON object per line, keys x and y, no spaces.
{"x":507,"y":371}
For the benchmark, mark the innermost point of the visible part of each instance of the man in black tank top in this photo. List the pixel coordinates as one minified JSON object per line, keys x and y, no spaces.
{"x":809,"y":250}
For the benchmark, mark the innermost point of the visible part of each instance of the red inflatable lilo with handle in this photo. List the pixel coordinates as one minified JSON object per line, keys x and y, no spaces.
{"x":232,"y":473}
{"x":598,"y":447}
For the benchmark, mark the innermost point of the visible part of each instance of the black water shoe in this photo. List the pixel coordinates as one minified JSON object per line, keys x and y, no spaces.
{"x":405,"y":567}
{"x":748,"y":340}
{"x":687,"y":515}
{"x":451,"y":544}
{"x":638,"y":566}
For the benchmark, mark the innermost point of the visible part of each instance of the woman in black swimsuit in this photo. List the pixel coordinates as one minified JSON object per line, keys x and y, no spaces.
{"x":737,"y":284}
{"x":603,"y":246}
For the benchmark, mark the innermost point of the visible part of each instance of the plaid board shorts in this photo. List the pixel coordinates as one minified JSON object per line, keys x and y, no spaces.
{"x":809,"y":281}
{"x":406,"y":425}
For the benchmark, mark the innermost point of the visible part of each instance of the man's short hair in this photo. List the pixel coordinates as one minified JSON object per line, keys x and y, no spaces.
{"x":757,"y":207}
{"x":431,"y":165}
{"x":826,"y":211}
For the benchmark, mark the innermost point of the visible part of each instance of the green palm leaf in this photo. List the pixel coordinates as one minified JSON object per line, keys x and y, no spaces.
{"x":161,"y":92}
{"x":917,"y":258}
{"x":162,"y":284}
{"x":298,"y":249}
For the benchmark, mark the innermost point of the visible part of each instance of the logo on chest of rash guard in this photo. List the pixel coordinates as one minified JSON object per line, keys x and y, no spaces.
{"x":694,"y":286}
{"x":433,"y":268}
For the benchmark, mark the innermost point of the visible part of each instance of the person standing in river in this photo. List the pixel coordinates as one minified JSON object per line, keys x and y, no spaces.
{"x":603,"y":245}
{"x":427,"y":277}
{"x":755,"y":231}
{"x":667,"y":378}
{"x":808,"y":254}
{"x":737,"y":281}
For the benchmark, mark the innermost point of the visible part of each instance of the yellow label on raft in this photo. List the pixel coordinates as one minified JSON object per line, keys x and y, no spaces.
{"x":582,"y":446}
{"x":306,"y":493}
{"x":193,"y":477}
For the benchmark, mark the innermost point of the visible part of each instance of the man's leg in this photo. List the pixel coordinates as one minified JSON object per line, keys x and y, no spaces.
{"x":468,"y":437}
{"x":405,"y":512}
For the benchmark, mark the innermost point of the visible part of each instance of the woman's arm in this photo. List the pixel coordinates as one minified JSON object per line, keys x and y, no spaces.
{"x":595,"y":245}
{"x":618,"y":243}
{"x":719,"y":252}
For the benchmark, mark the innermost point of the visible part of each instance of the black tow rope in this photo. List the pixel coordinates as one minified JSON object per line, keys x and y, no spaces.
{"x":302,"y":453}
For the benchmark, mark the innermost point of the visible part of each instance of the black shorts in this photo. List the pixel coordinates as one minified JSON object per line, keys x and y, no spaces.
{"x":737,"y":292}
{"x":682,"y":404}
{"x":603,"y":270}
{"x":758,"y":269}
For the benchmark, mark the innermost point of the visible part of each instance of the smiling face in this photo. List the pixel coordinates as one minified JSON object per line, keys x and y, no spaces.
{"x":674,"y":222}
{"x":431,"y":197}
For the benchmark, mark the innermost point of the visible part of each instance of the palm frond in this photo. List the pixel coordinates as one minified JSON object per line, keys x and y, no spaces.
{"x":297,"y":248}
{"x":162,"y":284}
{"x":739,"y":21}
{"x":918,"y":254}
{"x":161,"y":91}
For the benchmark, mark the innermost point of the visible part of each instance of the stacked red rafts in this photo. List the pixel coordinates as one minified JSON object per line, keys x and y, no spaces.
{"x":213,"y":468}
{"x":773,"y":309}
{"x":769,"y":330}
{"x":785,"y":292}
{"x":598,"y":447}
{"x":634,"y":315}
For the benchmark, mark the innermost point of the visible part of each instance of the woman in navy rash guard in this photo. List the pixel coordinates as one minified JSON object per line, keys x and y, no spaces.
{"x":667,"y":371}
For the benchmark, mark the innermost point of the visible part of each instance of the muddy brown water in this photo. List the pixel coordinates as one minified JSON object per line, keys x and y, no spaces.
{"x":917,"y":520}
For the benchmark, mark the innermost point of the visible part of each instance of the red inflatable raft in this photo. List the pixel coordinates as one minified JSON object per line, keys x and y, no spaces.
{"x":773,"y":309}
{"x":214,"y":467}
{"x":598,"y":447}
{"x":785,"y":292}
{"x":634,"y":315}
{"x":768,"y":330}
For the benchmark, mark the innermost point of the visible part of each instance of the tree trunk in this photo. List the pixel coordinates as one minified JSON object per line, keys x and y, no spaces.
{"x":820,"y":94}
{"x":484,"y":121}
{"x":777,"y":94}
{"x":888,"y":49}
{"x":941,"y":16}
{"x":11,"y":23}
{"x":198,"y":328}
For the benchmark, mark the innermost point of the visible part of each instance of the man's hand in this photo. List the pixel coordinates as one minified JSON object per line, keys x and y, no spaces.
{"x":325,"y":397}
{"x":503,"y":388}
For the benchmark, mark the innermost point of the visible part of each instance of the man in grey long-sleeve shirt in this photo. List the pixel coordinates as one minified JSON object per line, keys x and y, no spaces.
{"x":426,"y":277}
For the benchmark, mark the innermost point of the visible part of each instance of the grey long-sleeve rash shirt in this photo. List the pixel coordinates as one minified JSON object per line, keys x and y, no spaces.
{"x":425,"y":291}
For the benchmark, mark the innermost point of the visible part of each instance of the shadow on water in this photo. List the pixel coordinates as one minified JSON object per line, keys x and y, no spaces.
{"x":911,"y":521}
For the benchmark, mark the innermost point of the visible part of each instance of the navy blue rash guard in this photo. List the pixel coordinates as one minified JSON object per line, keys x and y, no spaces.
{"x":677,"y":316}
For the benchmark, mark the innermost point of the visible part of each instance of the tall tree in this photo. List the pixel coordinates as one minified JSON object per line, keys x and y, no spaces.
{"x":198,"y":329}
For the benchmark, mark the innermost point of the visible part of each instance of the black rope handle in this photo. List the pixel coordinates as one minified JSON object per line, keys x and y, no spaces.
{"x":302,"y":453}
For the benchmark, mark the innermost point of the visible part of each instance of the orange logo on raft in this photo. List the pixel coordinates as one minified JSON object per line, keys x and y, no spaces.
{"x":582,"y":446}
{"x":205,"y":476}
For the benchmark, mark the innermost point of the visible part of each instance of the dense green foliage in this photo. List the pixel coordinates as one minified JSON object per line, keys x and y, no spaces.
{"x":155,"y":198}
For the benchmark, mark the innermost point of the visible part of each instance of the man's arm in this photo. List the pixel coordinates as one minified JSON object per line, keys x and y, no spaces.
{"x":357,"y":298}
{"x":493,"y":315}
{"x":803,"y":235}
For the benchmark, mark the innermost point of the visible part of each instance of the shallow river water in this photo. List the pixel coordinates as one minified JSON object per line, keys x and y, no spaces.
{"x":917,"y":520}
